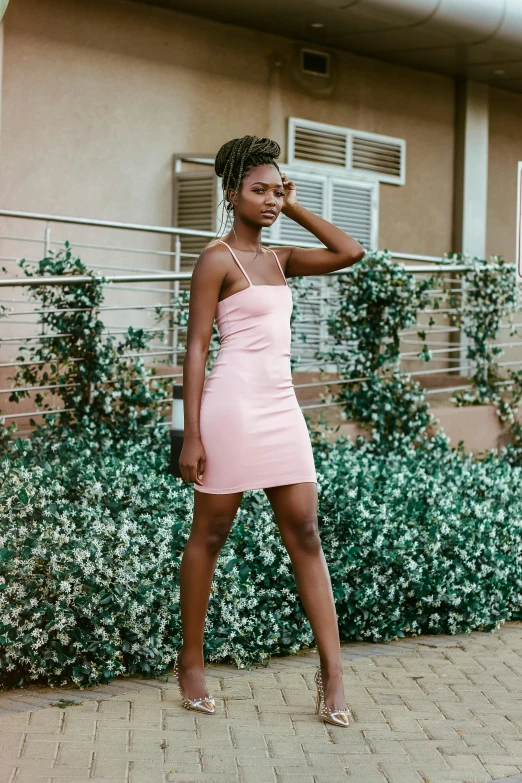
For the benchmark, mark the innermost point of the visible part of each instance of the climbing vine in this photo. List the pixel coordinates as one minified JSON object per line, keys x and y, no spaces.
{"x":492,"y":298}
{"x":99,"y":383}
{"x":105,"y":388}
{"x":377,"y":298}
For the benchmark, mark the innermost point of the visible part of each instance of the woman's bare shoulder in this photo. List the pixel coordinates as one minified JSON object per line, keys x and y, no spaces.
{"x":213,"y":260}
{"x":214,"y":250}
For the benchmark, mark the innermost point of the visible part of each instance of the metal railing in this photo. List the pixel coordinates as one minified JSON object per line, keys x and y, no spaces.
{"x":133,"y":282}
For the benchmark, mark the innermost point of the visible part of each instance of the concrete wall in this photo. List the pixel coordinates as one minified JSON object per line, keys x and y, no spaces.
{"x":99,"y":95}
{"x":505,"y":150}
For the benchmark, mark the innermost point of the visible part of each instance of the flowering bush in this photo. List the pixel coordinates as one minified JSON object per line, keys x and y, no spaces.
{"x":90,"y":546}
{"x":418,"y":536}
{"x":426,"y":541}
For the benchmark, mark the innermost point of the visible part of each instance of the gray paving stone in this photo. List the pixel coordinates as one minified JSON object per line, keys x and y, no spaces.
{"x":434,"y":709}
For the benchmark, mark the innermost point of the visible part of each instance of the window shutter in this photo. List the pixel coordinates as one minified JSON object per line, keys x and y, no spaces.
{"x":309,"y":317}
{"x":308,"y":326}
{"x":194,"y":204}
{"x":371,"y":155}
{"x":312,"y":194}
{"x":353,"y":207}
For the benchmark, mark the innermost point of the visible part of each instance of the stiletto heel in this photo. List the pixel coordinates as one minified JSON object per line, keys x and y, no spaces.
{"x":206,"y":704}
{"x":337,"y":717}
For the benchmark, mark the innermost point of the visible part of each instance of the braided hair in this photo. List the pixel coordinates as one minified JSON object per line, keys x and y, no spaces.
{"x":237,"y":157}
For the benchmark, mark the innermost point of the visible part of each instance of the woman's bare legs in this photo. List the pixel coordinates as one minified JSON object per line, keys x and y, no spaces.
{"x":295,"y":509}
{"x":213,"y":517}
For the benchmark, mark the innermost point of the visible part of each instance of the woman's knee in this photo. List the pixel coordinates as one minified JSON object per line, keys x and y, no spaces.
{"x":303,"y":535}
{"x":214,"y":534}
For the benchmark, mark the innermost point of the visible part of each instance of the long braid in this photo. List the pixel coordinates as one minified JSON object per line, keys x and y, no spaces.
{"x":234,"y":160}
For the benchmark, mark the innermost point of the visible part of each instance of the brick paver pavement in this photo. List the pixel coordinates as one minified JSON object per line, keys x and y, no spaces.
{"x":426,"y":710}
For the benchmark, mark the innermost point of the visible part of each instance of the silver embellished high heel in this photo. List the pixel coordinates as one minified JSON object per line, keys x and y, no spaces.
{"x":206,"y":704}
{"x":337,"y":717}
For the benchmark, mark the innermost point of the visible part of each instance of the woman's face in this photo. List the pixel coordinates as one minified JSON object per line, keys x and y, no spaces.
{"x":261,"y":196}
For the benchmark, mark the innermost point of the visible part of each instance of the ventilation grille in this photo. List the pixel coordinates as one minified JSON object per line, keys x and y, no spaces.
{"x":317,"y":63}
{"x":319,"y":146}
{"x":371,"y":154}
{"x":377,"y":156}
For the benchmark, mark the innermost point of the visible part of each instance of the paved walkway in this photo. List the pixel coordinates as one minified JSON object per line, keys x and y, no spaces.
{"x":426,"y":710}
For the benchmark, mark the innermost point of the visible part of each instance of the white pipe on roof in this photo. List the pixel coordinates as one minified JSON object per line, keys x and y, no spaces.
{"x":468,"y":21}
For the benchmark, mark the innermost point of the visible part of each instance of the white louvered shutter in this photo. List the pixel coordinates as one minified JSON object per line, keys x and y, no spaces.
{"x":194,"y":208}
{"x":312,"y":194}
{"x":310,"y":313}
{"x":371,"y":155}
{"x":353,"y":206}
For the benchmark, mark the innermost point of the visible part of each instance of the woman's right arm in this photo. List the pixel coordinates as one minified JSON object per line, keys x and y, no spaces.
{"x":205,"y":286}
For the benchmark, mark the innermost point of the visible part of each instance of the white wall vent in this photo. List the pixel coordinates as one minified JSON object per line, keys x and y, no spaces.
{"x":356,"y":152}
{"x":377,"y":155}
{"x":320,"y":146}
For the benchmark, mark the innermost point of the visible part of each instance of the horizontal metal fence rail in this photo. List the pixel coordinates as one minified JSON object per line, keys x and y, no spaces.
{"x":129,"y":280}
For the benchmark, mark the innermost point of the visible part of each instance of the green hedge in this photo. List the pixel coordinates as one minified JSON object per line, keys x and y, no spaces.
{"x":90,"y":546}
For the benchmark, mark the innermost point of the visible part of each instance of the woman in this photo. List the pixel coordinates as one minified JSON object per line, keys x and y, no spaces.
{"x":244,"y":428}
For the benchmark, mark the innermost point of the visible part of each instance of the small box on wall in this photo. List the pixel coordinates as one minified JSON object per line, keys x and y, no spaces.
{"x":518,"y":253}
{"x":176,"y":431}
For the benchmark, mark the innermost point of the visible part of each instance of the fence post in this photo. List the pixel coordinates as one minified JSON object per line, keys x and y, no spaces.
{"x":47,"y":239}
{"x":47,"y":248}
{"x":177,"y":268}
{"x":464,"y":340}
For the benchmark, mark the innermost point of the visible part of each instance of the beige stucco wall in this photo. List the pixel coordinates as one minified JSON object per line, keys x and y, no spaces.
{"x":505,"y":150}
{"x":99,"y":95}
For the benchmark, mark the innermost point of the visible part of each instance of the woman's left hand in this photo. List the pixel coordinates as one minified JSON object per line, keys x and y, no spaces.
{"x":290,"y":192}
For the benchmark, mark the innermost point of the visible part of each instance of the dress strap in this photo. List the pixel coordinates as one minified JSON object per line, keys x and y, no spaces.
{"x":280,"y":267}
{"x":237,"y":260}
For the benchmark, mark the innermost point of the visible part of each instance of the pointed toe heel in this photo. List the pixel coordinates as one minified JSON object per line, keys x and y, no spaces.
{"x":205,"y":704}
{"x":337,"y":717}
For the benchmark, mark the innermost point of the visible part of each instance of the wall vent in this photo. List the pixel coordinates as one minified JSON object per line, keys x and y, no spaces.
{"x":370,"y":155}
{"x":376,"y":155}
{"x":314,"y":62}
{"x":320,"y":146}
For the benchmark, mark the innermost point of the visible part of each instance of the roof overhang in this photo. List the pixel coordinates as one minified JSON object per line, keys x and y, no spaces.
{"x":474,"y":39}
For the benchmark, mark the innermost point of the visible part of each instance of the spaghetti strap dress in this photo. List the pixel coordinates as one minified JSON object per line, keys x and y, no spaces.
{"x":252,"y":429}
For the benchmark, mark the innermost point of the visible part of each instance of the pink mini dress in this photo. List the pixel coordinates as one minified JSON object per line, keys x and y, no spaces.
{"x":253,"y":431}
